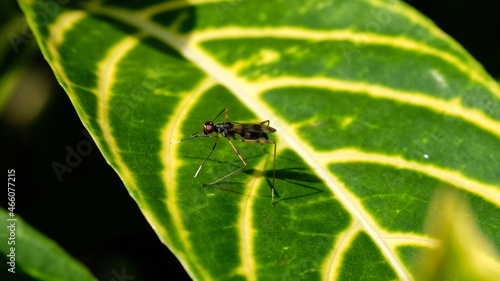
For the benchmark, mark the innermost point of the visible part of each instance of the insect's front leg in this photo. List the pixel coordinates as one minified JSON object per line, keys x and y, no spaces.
{"x":225,"y":109}
{"x":213,"y":148}
{"x":234,"y":172}
{"x":192,"y":137}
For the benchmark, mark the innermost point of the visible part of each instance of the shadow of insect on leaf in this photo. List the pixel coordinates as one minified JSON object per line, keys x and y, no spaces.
{"x":236,"y":162}
{"x":296,"y":176}
{"x":293,"y":176}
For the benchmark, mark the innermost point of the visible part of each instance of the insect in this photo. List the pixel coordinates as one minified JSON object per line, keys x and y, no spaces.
{"x":249,"y":132}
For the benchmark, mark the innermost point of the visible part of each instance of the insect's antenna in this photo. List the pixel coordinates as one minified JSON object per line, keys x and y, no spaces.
{"x":195,"y":133}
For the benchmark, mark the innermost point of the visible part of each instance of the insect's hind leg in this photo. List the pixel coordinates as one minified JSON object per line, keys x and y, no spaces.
{"x":274,"y":167}
{"x":263,"y":135}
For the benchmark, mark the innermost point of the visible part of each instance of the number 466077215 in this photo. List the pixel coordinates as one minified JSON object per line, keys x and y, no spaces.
{"x":11,"y":192}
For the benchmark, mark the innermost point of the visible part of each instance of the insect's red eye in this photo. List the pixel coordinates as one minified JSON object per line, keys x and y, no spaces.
{"x":208,"y":127}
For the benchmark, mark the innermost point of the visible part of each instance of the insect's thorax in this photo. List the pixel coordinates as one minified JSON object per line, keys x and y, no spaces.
{"x":225,"y":129}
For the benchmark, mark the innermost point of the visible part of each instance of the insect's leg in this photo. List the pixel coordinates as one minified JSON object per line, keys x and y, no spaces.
{"x":192,"y":137}
{"x":264,"y":122}
{"x":213,"y":148}
{"x":234,"y":172}
{"x":220,"y":114}
{"x":274,"y":167}
{"x":227,"y":116}
{"x":274,"y":174}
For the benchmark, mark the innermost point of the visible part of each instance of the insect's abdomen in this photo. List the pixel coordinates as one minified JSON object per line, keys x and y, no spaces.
{"x":253,"y":135}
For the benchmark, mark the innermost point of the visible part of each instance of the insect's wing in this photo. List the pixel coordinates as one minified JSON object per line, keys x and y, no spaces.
{"x":267,"y":129}
{"x":252,"y":128}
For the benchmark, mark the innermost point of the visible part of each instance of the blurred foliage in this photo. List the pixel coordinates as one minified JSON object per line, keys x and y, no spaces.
{"x":466,"y":253}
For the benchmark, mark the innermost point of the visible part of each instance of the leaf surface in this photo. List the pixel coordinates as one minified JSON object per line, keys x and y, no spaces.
{"x":375,"y":108}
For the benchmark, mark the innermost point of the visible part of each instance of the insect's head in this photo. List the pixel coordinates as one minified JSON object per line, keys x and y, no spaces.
{"x":208,"y":127}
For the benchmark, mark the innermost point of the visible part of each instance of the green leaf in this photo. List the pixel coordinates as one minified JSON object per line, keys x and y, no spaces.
{"x":34,"y":254}
{"x":375,"y":109}
{"x":14,"y":63}
{"x":465,"y":253}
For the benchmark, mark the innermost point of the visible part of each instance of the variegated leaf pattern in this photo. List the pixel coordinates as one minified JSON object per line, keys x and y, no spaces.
{"x":376,"y":111}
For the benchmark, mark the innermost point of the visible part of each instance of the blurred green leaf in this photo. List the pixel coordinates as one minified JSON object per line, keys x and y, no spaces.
{"x":465,"y":252}
{"x":36,"y":254}
{"x":25,"y":87}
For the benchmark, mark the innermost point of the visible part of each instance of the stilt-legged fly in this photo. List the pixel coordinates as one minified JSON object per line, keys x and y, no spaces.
{"x":248,"y":131}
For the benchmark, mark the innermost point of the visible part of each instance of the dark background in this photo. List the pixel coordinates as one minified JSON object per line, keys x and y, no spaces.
{"x":474,"y":24}
{"x":90,"y":213}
